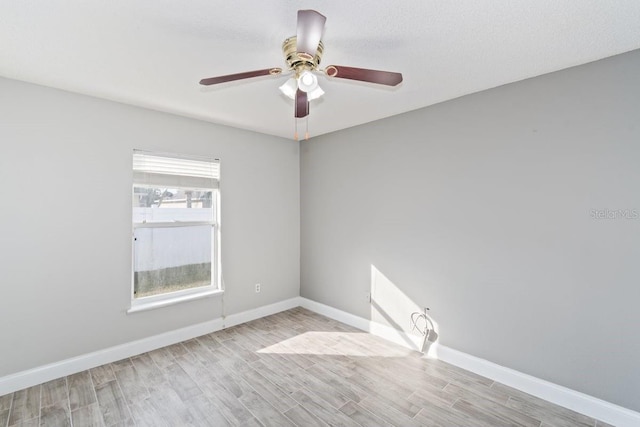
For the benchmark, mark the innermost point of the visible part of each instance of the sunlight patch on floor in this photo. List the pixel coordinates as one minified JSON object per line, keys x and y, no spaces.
{"x":358,"y":344}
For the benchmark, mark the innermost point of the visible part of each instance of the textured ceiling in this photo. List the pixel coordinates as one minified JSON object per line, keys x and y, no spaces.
{"x":152,"y":53}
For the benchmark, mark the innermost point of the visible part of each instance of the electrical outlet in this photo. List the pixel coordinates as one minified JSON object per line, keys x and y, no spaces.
{"x":257,"y":288}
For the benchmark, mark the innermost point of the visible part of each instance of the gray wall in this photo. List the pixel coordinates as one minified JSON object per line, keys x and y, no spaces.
{"x":65,"y":221}
{"x":481,"y":209}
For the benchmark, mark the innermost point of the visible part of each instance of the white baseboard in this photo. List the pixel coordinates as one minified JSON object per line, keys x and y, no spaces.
{"x":41,"y":374}
{"x":571,"y":399}
{"x":563,"y":396}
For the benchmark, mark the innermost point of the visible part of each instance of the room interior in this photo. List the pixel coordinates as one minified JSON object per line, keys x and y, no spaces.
{"x":497,"y":185}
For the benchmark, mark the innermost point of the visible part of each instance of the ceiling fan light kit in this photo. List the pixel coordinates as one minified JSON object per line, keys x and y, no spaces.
{"x":302,"y":54}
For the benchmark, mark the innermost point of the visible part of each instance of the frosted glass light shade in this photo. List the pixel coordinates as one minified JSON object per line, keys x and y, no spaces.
{"x":315,"y":94}
{"x":289,"y":88}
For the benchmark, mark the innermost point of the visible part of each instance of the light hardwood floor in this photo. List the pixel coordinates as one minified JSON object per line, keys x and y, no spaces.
{"x":292,"y":368}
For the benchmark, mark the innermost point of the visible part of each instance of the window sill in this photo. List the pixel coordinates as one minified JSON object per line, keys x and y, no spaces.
{"x":152,"y":305}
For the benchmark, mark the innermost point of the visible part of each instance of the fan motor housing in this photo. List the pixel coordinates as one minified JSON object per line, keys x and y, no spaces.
{"x":299,"y":60}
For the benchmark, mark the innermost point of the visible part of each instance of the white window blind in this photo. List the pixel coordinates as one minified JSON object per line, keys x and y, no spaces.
{"x":169,"y":170}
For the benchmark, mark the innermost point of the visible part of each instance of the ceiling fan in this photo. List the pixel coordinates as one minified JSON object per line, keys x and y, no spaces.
{"x":302,"y":54}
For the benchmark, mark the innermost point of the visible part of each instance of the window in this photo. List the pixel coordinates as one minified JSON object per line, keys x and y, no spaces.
{"x":175,"y":228}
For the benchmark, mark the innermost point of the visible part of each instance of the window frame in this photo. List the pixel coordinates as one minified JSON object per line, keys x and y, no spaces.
{"x":215,"y":288}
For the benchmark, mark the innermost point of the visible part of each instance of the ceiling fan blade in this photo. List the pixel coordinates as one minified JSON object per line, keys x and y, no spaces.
{"x":240,"y":76}
{"x":302,"y":104}
{"x":309,"y":32}
{"x":364,"y":75}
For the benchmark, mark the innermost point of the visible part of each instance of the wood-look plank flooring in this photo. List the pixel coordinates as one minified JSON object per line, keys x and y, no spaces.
{"x":295,"y":368}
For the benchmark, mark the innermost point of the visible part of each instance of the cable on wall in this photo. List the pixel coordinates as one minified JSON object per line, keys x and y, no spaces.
{"x":224,"y":314}
{"x":222,"y":285}
{"x":421,"y":323}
